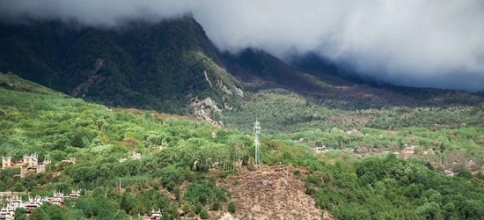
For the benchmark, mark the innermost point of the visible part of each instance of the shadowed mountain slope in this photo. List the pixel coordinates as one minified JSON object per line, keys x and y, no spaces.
{"x":173,"y":67}
{"x":153,"y":66}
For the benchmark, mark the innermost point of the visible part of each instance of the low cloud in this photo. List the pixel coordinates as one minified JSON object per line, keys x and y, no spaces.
{"x":438,"y":43}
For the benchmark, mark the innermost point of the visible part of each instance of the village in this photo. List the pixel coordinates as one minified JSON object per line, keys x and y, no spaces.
{"x":30,"y":164}
{"x":16,"y":202}
{"x":405,"y":153}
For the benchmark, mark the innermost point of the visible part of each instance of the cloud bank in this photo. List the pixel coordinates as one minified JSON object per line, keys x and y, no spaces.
{"x":434,"y":43}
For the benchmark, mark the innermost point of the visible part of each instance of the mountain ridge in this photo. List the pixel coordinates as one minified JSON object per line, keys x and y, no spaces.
{"x":153,"y":66}
{"x":171,"y":66}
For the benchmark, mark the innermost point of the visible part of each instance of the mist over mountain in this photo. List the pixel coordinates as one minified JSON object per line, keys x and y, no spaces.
{"x":415,"y":43}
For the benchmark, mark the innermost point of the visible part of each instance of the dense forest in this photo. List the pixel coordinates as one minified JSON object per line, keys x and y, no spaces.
{"x":158,"y":66}
{"x":181,"y":159}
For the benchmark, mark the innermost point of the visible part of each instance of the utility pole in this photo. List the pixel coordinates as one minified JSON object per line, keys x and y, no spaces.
{"x":256,"y":142}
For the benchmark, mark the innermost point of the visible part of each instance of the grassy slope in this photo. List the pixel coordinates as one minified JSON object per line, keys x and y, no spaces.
{"x":10,"y":81}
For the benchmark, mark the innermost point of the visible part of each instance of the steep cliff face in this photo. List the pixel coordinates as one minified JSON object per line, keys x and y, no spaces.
{"x":160,"y":66}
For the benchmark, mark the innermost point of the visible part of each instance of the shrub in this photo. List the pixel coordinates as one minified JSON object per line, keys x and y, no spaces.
{"x":204,"y":214}
{"x":465,"y":174}
{"x":186,"y":208}
{"x":198,"y":208}
{"x":216,"y":206}
{"x":231,"y":207}
{"x":18,"y":187}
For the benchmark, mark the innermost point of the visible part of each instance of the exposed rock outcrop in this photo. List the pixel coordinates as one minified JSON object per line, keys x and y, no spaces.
{"x":205,"y":109}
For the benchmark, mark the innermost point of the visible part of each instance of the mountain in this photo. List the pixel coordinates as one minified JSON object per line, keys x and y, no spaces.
{"x":172,"y":67}
{"x":169,"y":66}
{"x":318,"y":119}
{"x":315,"y":77}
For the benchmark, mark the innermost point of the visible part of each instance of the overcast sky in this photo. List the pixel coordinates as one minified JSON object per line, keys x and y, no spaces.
{"x":437,"y":43}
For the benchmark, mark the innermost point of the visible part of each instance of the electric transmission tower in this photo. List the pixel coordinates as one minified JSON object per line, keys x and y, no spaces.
{"x":256,"y":141}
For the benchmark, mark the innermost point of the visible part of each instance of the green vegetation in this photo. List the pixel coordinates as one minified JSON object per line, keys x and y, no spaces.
{"x":452,"y":134}
{"x":130,"y":161}
{"x":231,"y":207}
{"x":391,"y":188}
{"x":56,"y":127}
{"x":278,"y":107}
{"x":150,"y":66}
{"x":177,"y":153}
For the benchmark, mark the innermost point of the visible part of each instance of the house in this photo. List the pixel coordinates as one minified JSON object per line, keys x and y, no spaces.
{"x":136,"y":156}
{"x":57,"y":199}
{"x":34,"y":203}
{"x":75,"y":194}
{"x":155,"y":215}
{"x":409,"y":149}
{"x":449,"y":173}
{"x":70,"y":160}
{"x":7,"y":213}
{"x":29,"y":163}
{"x":321,"y":149}
{"x":15,"y":201}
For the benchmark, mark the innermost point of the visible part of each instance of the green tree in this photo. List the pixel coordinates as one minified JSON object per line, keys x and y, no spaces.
{"x":54,"y":211}
{"x":204,"y":214}
{"x":216,"y":206}
{"x":38,"y":214}
{"x":3,"y":186}
{"x":472,"y":209}
{"x":86,"y":205}
{"x":177,"y":192}
{"x":126,"y":203}
{"x":18,"y":187}
{"x":449,"y":210}
{"x":186,"y":208}
{"x":171,"y":174}
{"x":198,"y":208}
{"x":20,"y":214}
{"x":231,"y":207}
{"x":464,"y":173}
{"x":429,"y":211}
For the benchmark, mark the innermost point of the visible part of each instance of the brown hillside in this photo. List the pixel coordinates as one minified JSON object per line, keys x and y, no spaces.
{"x":268,"y":194}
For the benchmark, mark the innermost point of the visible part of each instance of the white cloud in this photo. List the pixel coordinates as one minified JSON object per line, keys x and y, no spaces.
{"x":414,"y":42}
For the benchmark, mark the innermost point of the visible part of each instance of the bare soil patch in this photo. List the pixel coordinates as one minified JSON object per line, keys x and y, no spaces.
{"x":271,"y":192}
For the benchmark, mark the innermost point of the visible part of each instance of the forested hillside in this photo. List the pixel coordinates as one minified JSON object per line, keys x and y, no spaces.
{"x":172,"y":67}
{"x":175,"y":169}
{"x":162,"y":66}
